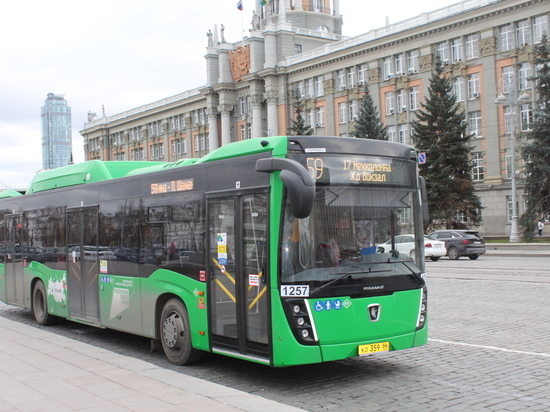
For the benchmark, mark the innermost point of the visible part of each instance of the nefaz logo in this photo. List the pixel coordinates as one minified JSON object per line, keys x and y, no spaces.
{"x":374,"y":312}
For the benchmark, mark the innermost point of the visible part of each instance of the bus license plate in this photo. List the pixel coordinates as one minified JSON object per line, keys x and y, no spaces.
{"x":373,"y":348}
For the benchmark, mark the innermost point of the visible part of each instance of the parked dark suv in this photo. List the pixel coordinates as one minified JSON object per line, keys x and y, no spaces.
{"x":461,"y":243}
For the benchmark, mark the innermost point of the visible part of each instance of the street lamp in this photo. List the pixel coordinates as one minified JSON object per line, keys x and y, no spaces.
{"x":510,"y":85}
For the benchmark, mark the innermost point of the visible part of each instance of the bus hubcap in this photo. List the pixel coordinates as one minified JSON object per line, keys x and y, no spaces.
{"x":172,"y":330}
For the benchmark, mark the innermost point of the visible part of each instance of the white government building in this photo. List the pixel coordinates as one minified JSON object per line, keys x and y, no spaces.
{"x":486,"y":46}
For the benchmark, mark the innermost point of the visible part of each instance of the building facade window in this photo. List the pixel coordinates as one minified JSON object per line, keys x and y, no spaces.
{"x":457,"y":53}
{"x":507,"y":78}
{"x":320,"y":116}
{"x":540,"y":27}
{"x":351,"y":77}
{"x":389,"y":103}
{"x":506,"y":37}
{"x":401,"y":101}
{"x":352,"y":106}
{"x":414,"y":98}
{"x":309,"y":117}
{"x":342,"y":113}
{"x":523,"y":33}
{"x":478,"y":173}
{"x":509,"y":207}
{"x":473,"y":86}
{"x":526,"y":117}
{"x":458,"y":86}
{"x":472,"y":46}
{"x":444,"y":53}
{"x":362,"y":74}
{"x":412,"y":61}
{"x":403,"y":133}
{"x":399,"y":64}
{"x":524,"y":76}
{"x":309,"y":88}
{"x":474,"y":120}
{"x":391,"y":134}
{"x":388,"y":68}
{"x":341,"y":80}
{"x":319,"y":88}
{"x":508,"y":119}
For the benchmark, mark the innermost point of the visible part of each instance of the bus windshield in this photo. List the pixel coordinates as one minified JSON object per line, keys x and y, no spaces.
{"x":350,"y":235}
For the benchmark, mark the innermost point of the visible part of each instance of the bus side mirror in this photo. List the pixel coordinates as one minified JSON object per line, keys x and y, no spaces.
{"x":298,"y":183}
{"x":424,"y":195}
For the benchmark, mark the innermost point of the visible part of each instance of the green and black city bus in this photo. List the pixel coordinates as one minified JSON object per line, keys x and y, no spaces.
{"x":263,"y":250}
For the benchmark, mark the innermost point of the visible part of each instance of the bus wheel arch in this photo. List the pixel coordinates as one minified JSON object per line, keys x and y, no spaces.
{"x":174,"y":333}
{"x":39,"y":304}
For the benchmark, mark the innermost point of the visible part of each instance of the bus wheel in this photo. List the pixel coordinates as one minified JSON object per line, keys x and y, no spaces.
{"x":175,"y":334}
{"x":40,"y":305}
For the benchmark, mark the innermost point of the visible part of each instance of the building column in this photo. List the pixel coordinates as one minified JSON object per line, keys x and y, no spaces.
{"x":257,"y":116}
{"x":272,"y":114}
{"x":225,"y":111}
{"x":212,"y":130}
{"x":336,"y":7}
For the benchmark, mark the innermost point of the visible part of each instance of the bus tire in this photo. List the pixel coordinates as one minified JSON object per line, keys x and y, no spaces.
{"x":175,"y":334}
{"x":40,"y":305}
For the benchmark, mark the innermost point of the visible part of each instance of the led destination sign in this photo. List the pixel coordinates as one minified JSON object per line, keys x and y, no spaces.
{"x":340,"y":169}
{"x":172,"y":186}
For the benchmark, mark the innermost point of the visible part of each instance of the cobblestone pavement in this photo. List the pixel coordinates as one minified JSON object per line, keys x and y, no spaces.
{"x":489,"y":349}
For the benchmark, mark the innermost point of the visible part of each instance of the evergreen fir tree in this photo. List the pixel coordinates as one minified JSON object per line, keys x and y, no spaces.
{"x":537,"y":153}
{"x":298,"y":127}
{"x":368,"y":125}
{"x":440,"y":132}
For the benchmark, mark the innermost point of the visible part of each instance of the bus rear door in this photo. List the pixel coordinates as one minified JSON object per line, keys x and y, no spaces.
{"x":82,"y":264}
{"x":239,"y":313}
{"x":16,"y":237}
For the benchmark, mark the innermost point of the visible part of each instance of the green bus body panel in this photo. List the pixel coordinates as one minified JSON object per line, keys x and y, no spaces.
{"x":55,"y":282}
{"x":9,"y":193}
{"x":85,"y":172}
{"x":340,"y":332}
{"x":120,"y":303}
{"x":125,"y":303}
{"x":188,"y":290}
{"x":398,"y":316}
{"x":287,"y":351}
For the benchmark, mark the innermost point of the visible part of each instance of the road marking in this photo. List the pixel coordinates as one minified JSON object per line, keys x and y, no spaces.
{"x":490,"y":347}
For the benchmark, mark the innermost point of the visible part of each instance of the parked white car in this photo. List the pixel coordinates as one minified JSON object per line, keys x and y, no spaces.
{"x":433,"y":248}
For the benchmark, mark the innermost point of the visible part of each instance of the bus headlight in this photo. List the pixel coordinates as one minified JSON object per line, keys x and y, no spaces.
{"x":300,"y":321}
{"x":423,"y":310}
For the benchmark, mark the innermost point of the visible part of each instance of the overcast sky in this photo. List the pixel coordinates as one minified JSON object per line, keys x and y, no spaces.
{"x":121,"y":54}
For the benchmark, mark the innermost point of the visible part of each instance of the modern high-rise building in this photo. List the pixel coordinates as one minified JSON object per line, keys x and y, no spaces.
{"x":56,"y":132}
{"x":486,"y":46}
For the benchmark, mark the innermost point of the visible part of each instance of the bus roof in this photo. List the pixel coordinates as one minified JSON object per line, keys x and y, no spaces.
{"x":97,"y":170}
{"x":85,"y":172}
{"x":9,"y":193}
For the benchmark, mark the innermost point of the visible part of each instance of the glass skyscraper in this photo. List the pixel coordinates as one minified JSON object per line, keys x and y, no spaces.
{"x":56,"y":132}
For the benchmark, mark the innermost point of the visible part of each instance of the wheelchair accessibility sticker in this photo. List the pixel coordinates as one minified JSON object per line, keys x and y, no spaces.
{"x":331,"y":304}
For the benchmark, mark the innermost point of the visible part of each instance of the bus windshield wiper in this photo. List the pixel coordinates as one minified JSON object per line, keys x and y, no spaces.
{"x":318,"y":289}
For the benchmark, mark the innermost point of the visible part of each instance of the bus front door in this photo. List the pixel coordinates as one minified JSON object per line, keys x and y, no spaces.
{"x":238,"y":287}
{"x":15,"y":239}
{"x":82,"y":264}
